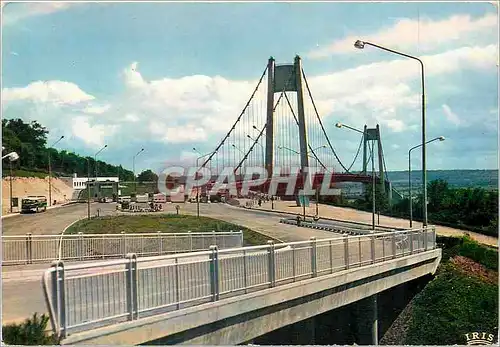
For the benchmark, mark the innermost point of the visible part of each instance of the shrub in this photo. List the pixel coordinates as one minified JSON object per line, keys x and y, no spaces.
{"x":31,"y":332}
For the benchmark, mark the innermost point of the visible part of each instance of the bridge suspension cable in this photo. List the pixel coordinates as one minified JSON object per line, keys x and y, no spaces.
{"x":265,"y":125}
{"x":297,"y":122}
{"x":237,"y":120}
{"x":357,"y":153}
{"x":321,"y":123}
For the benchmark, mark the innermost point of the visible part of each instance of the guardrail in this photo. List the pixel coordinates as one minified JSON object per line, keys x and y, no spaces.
{"x":29,"y":249}
{"x":335,"y":228}
{"x":86,"y":296}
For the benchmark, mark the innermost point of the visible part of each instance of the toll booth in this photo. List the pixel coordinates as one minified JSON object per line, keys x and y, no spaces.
{"x":104,"y":189}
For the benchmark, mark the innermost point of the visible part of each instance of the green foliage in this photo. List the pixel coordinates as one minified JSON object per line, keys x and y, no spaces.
{"x":450,"y":306}
{"x":29,"y":141}
{"x":31,"y":332}
{"x":455,"y":303}
{"x":147,"y":176}
{"x":474,"y":208}
{"x":167,"y":223}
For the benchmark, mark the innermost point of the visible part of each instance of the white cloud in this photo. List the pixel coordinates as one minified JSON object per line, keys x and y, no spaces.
{"x":55,"y":92}
{"x":395,"y":125}
{"x":410,"y":33}
{"x":450,"y":115}
{"x":15,"y":12}
{"x":131,"y":118}
{"x":96,"y":109}
{"x":377,"y":91}
{"x":93,"y":135}
{"x":203,"y":108}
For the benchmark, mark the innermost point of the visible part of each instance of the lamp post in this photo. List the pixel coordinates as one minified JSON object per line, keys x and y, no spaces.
{"x":198,"y":187}
{"x":88,"y":188}
{"x":440,"y":138}
{"x":95,"y":163}
{"x":360,"y":45}
{"x":13,"y":156}
{"x":133,"y":168}
{"x":95,"y":159}
{"x":262,"y":147}
{"x":50,"y":171}
{"x":341,"y":125}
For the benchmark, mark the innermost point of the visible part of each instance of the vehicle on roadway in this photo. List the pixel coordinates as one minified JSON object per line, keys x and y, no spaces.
{"x":34,"y":203}
{"x":159,"y":198}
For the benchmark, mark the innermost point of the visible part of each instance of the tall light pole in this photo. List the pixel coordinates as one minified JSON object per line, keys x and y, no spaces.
{"x":262,"y":147}
{"x":95,"y":163}
{"x":360,"y":45}
{"x":133,"y":168}
{"x":198,"y":187}
{"x":88,"y":188}
{"x":95,"y":159}
{"x":440,"y":138}
{"x":13,"y":156}
{"x":50,"y":171}
{"x":341,"y":125}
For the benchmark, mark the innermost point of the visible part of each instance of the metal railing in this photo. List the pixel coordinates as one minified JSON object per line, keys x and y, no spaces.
{"x":29,"y":249}
{"x":86,"y":296}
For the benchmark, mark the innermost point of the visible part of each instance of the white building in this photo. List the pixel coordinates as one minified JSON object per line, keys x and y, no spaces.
{"x":81,"y":182}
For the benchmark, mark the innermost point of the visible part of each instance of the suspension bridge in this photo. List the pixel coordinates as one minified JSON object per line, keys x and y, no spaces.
{"x":280,"y":128}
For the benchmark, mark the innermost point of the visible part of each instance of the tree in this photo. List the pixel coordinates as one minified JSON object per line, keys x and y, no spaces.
{"x":147,"y":176}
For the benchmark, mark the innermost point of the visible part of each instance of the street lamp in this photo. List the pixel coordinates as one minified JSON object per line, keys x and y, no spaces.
{"x":50,"y":171}
{"x":95,"y":163}
{"x":95,"y":159}
{"x":133,"y":168}
{"x":340,"y":125}
{"x":198,"y":187}
{"x":440,"y":138}
{"x":13,"y":156}
{"x":88,"y":188}
{"x":360,"y":45}
{"x":262,"y":147}
{"x":288,"y":149}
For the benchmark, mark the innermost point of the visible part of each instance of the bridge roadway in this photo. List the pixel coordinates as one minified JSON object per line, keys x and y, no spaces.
{"x":21,"y":289}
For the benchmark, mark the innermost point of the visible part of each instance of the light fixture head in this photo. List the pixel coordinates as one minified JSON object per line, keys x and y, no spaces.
{"x":442,"y":138}
{"x":105,"y":146}
{"x":255,"y":127}
{"x":338,"y":125}
{"x":359,"y":44}
{"x":13,"y":156}
{"x":249,"y":136}
{"x":62,"y":137}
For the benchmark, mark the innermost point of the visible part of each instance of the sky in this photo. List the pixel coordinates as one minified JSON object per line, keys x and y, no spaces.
{"x":168,"y":77}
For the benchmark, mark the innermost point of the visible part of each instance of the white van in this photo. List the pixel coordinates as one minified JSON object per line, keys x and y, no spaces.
{"x":159,"y":198}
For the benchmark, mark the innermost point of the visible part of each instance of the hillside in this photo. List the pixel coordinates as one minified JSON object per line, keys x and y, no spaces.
{"x":23,"y":186}
{"x":461,"y":299}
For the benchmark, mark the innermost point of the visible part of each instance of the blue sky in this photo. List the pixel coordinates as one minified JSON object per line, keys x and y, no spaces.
{"x":170,"y":76}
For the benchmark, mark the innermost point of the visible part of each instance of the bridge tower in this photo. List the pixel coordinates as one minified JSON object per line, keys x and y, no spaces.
{"x":372,"y":135}
{"x":288,"y":78}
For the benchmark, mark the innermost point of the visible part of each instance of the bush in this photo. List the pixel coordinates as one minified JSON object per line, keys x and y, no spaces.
{"x":469,"y":248}
{"x":31,"y":332}
{"x":479,"y":253}
{"x":450,"y":306}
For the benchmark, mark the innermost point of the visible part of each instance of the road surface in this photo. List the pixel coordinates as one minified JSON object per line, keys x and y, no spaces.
{"x":23,"y":296}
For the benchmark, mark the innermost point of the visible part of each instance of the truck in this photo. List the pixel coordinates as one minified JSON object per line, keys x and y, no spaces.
{"x":34,"y":203}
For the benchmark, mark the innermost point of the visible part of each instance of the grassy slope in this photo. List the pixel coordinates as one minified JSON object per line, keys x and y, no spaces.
{"x":456,"y":302}
{"x":168,"y":223}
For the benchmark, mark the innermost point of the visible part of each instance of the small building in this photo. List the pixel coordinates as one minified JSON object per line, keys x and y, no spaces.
{"x":81,"y":182}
